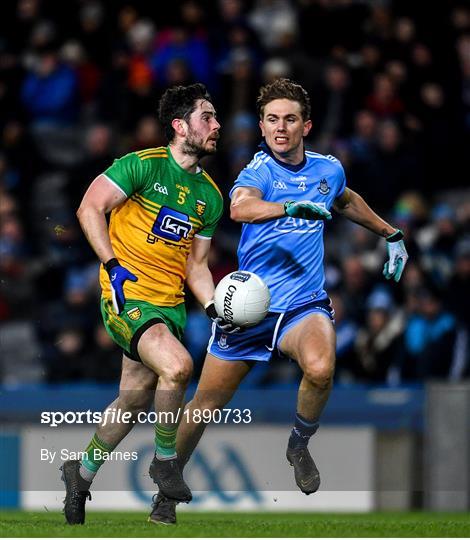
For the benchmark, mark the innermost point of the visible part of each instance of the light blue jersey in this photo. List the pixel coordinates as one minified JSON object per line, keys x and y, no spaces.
{"x":288,"y":252}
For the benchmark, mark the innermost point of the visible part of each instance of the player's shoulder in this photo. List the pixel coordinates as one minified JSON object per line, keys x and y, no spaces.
{"x":327,"y":161}
{"x":150,"y":161}
{"x":322,"y":158}
{"x":141,"y":158}
{"x":258,"y":162}
{"x":151,"y":154}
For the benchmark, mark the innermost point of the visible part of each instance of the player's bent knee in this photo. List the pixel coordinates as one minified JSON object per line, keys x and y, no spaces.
{"x":319,"y":373}
{"x":180,"y":371}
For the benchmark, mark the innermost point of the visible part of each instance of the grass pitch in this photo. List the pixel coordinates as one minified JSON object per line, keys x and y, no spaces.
{"x":222,"y":524}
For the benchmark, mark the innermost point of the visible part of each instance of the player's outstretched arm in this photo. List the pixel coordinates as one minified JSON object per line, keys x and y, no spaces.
{"x":247,"y":206}
{"x":306,"y":210}
{"x":354,"y":207}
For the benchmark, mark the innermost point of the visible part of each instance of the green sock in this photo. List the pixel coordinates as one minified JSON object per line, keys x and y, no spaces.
{"x":165,"y":441}
{"x":95,"y":457}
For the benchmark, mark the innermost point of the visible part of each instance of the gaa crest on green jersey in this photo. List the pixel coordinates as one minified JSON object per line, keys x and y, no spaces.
{"x":134,"y":314}
{"x":200,"y":207}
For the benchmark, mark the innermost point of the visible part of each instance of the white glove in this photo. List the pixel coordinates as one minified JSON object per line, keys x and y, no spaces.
{"x":397,"y":256}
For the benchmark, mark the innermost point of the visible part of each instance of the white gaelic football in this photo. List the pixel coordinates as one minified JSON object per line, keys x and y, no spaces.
{"x":242,"y":298}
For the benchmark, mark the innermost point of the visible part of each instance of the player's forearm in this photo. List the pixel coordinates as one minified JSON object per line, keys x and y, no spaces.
{"x":200,"y":282}
{"x":360,"y":212}
{"x":255,"y":210}
{"x":94,"y":225}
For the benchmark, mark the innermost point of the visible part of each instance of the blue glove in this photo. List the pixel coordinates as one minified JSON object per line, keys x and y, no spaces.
{"x":117,"y":276}
{"x":306,"y":210}
{"x":225,"y":326}
{"x":397,"y":256}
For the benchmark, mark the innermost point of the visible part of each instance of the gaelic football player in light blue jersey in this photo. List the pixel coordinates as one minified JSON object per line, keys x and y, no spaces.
{"x":284,"y":197}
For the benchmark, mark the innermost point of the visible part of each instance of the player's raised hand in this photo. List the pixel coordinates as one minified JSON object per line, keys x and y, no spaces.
{"x":225,"y":326}
{"x":306,"y":210}
{"x":117,"y":276}
{"x":397,"y":256}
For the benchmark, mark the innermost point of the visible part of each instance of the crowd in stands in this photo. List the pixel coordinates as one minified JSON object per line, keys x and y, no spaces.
{"x":389,"y":82}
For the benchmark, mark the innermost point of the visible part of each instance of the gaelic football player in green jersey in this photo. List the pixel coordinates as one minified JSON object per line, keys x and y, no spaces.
{"x":164,"y":210}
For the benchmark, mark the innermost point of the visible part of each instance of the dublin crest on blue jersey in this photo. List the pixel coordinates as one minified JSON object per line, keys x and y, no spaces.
{"x":324,"y":188}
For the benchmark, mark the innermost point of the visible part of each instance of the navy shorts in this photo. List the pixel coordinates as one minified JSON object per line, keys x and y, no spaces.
{"x":259,"y":342}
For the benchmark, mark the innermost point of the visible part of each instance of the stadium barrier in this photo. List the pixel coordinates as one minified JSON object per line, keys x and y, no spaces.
{"x":447,"y":447}
{"x":366,"y":450}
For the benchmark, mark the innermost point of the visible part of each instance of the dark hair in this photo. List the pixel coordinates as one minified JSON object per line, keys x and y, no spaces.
{"x":179,"y":102}
{"x":283,"y":89}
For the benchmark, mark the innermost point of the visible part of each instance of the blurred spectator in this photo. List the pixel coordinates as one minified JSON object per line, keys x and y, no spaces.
{"x":140,"y":37}
{"x":50,"y":91}
{"x":270,"y":19}
{"x":238,"y":83}
{"x":89,"y":75}
{"x":361,"y":144}
{"x":458,"y":300}
{"x":148,"y":134}
{"x":230,"y":32}
{"x":19,"y":31}
{"x":346,"y":333}
{"x":140,"y":91}
{"x":182,"y":43}
{"x":18,"y":172}
{"x":422,"y":69}
{"x":356,"y":285}
{"x":332,"y":21}
{"x":333,"y":107}
{"x":366,"y":66}
{"x":299,"y":65}
{"x":104,"y":364}
{"x":16,"y":285}
{"x":404,"y":36}
{"x":392,"y":168}
{"x":92,"y":32}
{"x":380,"y":23}
{"x":98,"y":156}
{"x":438,"y":258}
{"x":413,"y":281}
{"x":275,"y":68}
{"x":383,"y":100}
{"x":241,"y":142}
{"x":112,"y":104}
{"x":463,"y":50}
{"x":429,"y":336}
{"x":378,"y":343}
{"x":67,"y":360}
{"x":458,"y":293}
{"x":437,"y":133}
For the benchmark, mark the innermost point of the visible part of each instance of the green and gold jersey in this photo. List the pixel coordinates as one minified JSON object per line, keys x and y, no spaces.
{"x":152,"y":230}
